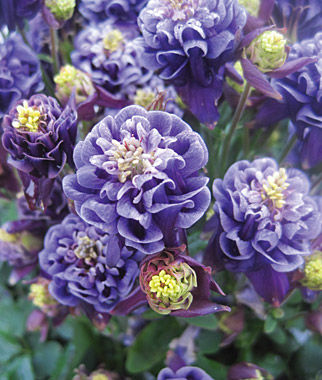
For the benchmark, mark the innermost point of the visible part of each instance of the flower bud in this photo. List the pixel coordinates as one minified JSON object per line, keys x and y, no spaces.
{"x":267,"y":51}
{"x":143,"y":98}
{"x":248,"y":371}
{"x":167,"y":283}
{"x":40,"y":296}
{"x":70,"y":78}
{"x":61,"y":9}
{"x":313,"y":271}
{"x":251,"y":6}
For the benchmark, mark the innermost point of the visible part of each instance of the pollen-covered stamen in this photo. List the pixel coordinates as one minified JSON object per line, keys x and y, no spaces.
{"x":313,"y":271}
{"x":113,"y":41}
{"x":130,"y":158}
{"x":143,"y":98}
{"x":274,"y":187}
{"x":165,"y":286}
{"x":40,"y":296}
{"x":67,"y":74}
{"x":28,"y":118}
{"x":86,"y":249}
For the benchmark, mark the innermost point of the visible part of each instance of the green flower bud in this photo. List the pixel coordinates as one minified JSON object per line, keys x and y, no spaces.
{"x":313,"y":271}
{"x":143,"y":98}
{"x":236,"y":86}
{"x":251,"y":6}
{"x":70,"y":78}
{"x":267,"y":51}
{"x":62,"y":9}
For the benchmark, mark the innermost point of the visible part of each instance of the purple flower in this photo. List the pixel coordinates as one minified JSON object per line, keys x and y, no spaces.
{"x":40,"y":136}
{"x":189,"y":42}
{"x":184,"y":373}
{"x":20,"y":74}
{"x":138,"y":175}
{"x":8,"y":179}
{"x":247,"y":371}
{"x":265,"y":223}
{"x":301,"y":101}
{"x":117,"y":10}
{"x":302,"y":18}
{"x":14,"y":12}
{"x":107,"y":53}
{"x":88,"y":268}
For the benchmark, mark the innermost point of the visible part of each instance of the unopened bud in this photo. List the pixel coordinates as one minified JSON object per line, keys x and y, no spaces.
{"x":313,"y":271}
{"x":62,"y":9}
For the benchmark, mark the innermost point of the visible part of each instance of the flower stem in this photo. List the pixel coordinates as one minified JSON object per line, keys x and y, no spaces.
{"x":287,"y":148}
{"x":237,"y":116}
{"x":54,"y":51}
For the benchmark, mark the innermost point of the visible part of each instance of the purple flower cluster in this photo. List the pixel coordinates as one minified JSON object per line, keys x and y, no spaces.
{"x":88,"y":268}
{"x":137,"y":175}
{"x":14,"y":12}
{"x":188,"y":42}
{"x":20,"y":74}
{"x":265,"y":221}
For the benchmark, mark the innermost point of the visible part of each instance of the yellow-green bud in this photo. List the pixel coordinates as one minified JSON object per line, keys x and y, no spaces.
{"x":236,"y":86}
{"x":113,"y":41}
{"x":25,"y":239}
{"x":313,"y":271}
{"x":251,"y":6}
{"x":267,"y":51}
{"x":143,"y":98}
{"x":61,"y":9}
{"x":28,"y":118}
{"x":40,"y":295}
{"x":69,"y":79}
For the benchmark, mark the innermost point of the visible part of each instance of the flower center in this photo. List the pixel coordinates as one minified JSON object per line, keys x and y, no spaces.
{"x":313,"y":271}
{"x":67,"y":74}
{"x":251,"y":6}
{"x":182,"y":9}
{"x":273,"y":188}
{"x":28,"y":118}
{"x":86,"y":249}
{"x":113,"y":41}
{"x":143,"y":98}
{"x":40,"y":295}
{"x":130,"y":158}
{"x":100,"y":377}
{"x":166,"y":286}
{"x":272,"y":42}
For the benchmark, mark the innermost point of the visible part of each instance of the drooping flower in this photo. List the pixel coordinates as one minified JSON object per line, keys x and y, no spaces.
{"x":105,"y":52}
{"x":20,"y":74}
{"x":39,"y":137}
{"x":14,"y":12}
{"x":117,"y":10}
{"x":87,"y":267}
{"x":302,"y":18}
{"x":301,"y":101}
{"x":173,"y":283}
{"x":137,"y":175}
{"x":188,"y":42}
{"x":183,"y":373}
{"x":266,"y":221}
{"x":99,"y":374}
{"x":247,"y":371}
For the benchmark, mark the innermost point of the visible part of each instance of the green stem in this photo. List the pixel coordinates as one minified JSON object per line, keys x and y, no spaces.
{"x":54,"y":50}
{"x":237,"y":116}
{"x":23,"y":35}
{"x":246,"y":141}
{"x":287,"y":148}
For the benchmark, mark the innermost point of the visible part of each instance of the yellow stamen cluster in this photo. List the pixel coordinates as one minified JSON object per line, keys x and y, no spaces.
{"x":113,"y":40}
{"x":130,"y":157}
{"x":40,"y":295}
{"x":274,"y":188}
{"x":6,"y":237}
{"x":86,"y":248}
{"x":67,"y":74}
{"x":61,"y":9}
{"x":272,"y":42}
{"x":313,"y":271}
{"x":143,"y":98}
{"x":28,"y":118}
{"x":100,"y":376}
{"x":165,"y":286}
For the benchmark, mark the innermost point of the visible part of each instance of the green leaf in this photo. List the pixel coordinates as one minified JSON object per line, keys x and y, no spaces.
{"x":9,"y":347}
{"x":20,"y":368}
{"x":208,"y":322}
{"x":209,"y":341}
{"x":270,"y":325}
{"x":215,"y":369}
{"x":308,"y":359}
{"x":151,"y":344}
{"x":13,"y":317}
{"x":273,"y":363}
{"x":46,"y":357}
{"x":8,"y":210}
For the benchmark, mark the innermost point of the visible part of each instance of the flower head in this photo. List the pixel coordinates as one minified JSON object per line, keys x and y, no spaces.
{"x":183,"y":373}
{"x":248,"y":371}
{"x":88,"y":268}
{"x":188,"y":42}
{"x":40,"y":136}
{"x":313,"y":271}
{"x":40,"y":296}
{"x":20,"y":73}
{"x":137,"y":175}
{"x":61,"y":9}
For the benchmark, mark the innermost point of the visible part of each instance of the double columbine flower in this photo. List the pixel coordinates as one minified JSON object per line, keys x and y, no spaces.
{"x":172,"y":282}
{"x":138,"y":175}
{"x":266,"y":221}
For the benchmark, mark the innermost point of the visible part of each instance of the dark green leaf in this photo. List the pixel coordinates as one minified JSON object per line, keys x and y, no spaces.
{"x":46,"y":357}
{"x":215,"y":369}
{"x":9,"y":347}
{"x":208,"y":322}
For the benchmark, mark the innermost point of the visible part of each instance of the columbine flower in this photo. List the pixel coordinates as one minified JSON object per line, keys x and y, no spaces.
{"x":88,"y":268}
{"x":108,"y":55}
{"x":184,"y":373}
{"x":137,"y":175}
{"x":99,"y":374}
{"x":266,"y":221}
{"x":61,"y":9}
{"x":302,"y":18}
{"x":14,"y":13}
{"x":20,"y":74}
{"x":117,"y":10}
{"x":301,"y":101}
{"x":172,"y":282}
{"x":188,"y":42}
{"x":248,"y":371}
